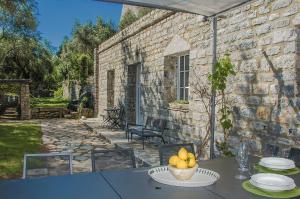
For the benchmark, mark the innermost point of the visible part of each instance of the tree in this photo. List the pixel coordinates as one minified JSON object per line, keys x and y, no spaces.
{"x":128,"y":18}
{"x":75,"y":56}
{"x":17,"y":20}
{"x":22,"y":53}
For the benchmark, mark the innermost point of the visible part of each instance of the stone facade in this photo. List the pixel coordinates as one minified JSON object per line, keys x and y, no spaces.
{"x":263,"y":39}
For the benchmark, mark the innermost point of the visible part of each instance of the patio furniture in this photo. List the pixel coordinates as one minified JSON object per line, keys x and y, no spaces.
{"x":110,"y":120}
{"x":135,"y":128}
{"x":166,"y":151}
{"x":47,"y":164}
{"x":118,"y":117}
{"x":295,"y":155}
{"x":271,"y":150}
{"x":153,"y":128}
{"x":129,"y":184}
{"x":112,"y":159}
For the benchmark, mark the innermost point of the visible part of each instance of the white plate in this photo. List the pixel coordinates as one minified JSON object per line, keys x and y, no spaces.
{"x":272,"y":182}
{"x":202,"y":177}
{"x":277,"y":163}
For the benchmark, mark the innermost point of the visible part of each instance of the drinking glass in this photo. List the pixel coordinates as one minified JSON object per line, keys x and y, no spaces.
{"x":242,"y":159}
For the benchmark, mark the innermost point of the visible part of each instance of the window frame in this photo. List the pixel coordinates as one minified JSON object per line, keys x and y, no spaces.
{"x":184,"y":71}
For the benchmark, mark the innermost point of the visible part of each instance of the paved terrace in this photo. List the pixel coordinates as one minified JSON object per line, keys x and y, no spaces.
{"x":148,"y":156}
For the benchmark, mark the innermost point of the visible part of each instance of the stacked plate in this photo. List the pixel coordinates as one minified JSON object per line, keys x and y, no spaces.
{"x":277,"y":163}
{"x":272,"y":182}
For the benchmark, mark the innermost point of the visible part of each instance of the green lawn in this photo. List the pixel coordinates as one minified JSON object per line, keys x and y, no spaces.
{"x":49,"y":103}
{"x":17,"y":138}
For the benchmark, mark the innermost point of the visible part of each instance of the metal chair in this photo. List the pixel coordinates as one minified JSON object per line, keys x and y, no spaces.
{"x":166,"y":151}
{"x":133,"y":128}
{"x":47,"y":164}
{"x":271,"y":150}
{"x":156,"y":128}
{"x":112,"y":159}
{"x":295,"y":155}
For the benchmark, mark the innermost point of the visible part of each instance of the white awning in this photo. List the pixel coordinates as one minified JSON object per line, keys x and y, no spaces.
{"x":203,"y":7}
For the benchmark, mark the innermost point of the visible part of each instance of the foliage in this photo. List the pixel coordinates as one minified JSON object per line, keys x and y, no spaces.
{"x":59,"y":92}
{"x":224,"y":147}
{"x":224,"y":68}
{"x":22,"y":54}
{"x":143,"y":11}
{"x":82,"y":104}
{"x":129,"y":17}
{"x":10,"y":89}
{"x":74,"y":61}
{"x":56,"y":102}
{"x":17,"y":139}
{"x":202,"y":89}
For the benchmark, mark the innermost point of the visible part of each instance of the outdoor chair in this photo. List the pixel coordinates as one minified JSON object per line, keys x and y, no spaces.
{"x":166,"y":151}
{"x":295,"y":155}
{"x":118,"y":118}
{"x":135,"y":128}
{"x":110,"y":117}
{"x":152,"y":128}
{"x":112,"y":159}
{"x":271,"y":150}
{"x":47,"y":164}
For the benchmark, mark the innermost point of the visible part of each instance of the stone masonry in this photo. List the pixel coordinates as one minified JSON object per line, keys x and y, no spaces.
{"x":263,"y":39}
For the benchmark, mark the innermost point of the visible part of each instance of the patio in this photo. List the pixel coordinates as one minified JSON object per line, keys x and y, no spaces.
{"x":149,"y":69}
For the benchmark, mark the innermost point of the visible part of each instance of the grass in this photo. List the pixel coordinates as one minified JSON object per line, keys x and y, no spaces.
{"x":49,"y":103}
{"x":17,"y":138}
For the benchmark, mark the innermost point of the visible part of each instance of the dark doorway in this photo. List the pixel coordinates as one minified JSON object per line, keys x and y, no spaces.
{"x":133,"y":94}
{"x":110,"y":88}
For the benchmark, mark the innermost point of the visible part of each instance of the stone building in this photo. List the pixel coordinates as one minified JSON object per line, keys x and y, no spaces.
{"x":153,"y":66}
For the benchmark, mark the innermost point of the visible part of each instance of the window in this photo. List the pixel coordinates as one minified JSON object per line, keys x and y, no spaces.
{"x":183,"y":78}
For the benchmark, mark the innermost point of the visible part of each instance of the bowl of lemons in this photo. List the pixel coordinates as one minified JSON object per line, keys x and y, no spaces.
{"x":183,"y":165}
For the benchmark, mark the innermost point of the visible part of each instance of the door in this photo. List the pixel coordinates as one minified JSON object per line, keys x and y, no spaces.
{"x":138,"y":95}
{"x":133,"y":96}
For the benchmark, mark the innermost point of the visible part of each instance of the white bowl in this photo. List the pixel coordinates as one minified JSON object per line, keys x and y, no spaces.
{"x":183,"y":174}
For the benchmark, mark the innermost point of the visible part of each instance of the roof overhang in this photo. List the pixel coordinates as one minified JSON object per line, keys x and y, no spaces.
{"x":206,"y":8}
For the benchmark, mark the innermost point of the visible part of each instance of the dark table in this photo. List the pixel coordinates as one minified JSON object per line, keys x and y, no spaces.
{"x":79,"y":186}
{"x":128,"y":184}
{"x":136,"y":184}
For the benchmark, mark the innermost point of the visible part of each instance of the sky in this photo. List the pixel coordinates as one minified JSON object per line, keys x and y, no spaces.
{"x":57,"y":17}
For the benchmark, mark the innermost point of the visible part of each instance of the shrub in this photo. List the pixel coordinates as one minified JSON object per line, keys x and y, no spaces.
{"x":59,"y":93}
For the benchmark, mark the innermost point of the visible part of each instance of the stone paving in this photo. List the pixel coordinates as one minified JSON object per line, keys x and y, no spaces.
{"x":71,"y":135}
{"x":80,"y":137}
{"x":147,"y":156}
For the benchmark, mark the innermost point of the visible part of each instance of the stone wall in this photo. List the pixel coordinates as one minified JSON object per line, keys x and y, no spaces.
{"x":263,"y":41}
{"x":25,"y":102}
{"x":44,"y":113}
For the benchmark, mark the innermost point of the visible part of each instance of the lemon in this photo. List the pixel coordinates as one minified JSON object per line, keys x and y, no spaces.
{"x":191,"y":156}
{"x":173,"y":160}
{"x":191,"y":162}
{"x":181,"y":164}
{"x":183,"y":154}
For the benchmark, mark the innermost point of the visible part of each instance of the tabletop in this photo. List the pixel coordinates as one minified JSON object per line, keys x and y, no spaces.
{"x":134,"y":184}
{"x":79,"y":186}
{"x":128,"y":184}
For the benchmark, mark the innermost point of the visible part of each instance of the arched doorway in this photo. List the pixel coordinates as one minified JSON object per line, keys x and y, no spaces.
{"x":18,"y":97}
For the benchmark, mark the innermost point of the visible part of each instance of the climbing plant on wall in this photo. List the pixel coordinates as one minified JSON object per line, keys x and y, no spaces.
{"x":202,"y":89}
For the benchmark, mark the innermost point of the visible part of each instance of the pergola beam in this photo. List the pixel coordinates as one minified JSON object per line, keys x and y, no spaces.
{"x":15,"y":81}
